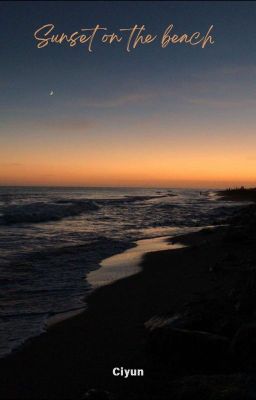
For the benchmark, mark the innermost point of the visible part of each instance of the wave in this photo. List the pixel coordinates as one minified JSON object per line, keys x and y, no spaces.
{"x":57,"y":209}
{"x":129,"y":199}
{"x":46,"y":284}
{"x":40,"y":211}
{"x":43,"y":212}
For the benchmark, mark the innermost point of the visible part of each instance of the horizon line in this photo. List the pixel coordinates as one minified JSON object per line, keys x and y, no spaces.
{"x":124,"y":187}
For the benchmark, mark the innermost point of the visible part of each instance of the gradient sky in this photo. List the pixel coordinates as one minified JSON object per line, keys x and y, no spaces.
{"x":179,"y":116}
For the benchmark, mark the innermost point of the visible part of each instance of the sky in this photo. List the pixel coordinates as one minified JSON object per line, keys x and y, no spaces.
{"x":180,"y":116}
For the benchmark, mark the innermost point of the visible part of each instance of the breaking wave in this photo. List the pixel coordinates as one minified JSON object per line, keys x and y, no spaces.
{"x":40,"y":211}
{"x":44,"y":212}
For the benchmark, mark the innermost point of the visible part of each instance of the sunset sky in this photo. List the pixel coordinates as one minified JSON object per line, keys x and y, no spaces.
{"x":179,"y":116}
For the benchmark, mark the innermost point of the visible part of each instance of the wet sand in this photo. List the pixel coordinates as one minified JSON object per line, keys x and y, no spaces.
{"x":127,"y":263}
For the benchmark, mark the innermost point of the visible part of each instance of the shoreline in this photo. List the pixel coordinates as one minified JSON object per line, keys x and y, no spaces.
{"x":79,"y":353}
{"x":95,"y":274}
{"x":99,"y":274}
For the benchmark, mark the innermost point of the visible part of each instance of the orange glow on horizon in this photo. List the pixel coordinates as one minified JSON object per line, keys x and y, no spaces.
{"x":203,"y":159}
{"x":185,"y":171}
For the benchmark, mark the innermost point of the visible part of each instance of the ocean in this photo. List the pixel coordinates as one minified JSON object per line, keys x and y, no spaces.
{"x":51,"y":239}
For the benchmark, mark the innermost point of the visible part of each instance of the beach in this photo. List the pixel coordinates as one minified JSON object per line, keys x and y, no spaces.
{"x":53,"y":242}
{"x":207,"y":280}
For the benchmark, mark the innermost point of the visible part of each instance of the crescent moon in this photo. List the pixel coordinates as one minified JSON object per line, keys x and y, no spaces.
{"x":51,"y":92}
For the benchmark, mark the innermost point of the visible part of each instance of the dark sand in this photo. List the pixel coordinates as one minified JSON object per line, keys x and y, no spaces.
{"x":80,"y":353}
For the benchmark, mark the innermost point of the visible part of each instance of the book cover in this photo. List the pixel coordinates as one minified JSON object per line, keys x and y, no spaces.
{"x":127,"y":200}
